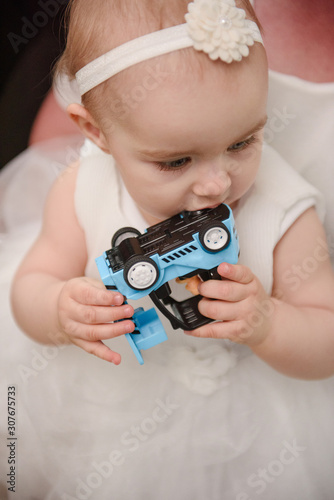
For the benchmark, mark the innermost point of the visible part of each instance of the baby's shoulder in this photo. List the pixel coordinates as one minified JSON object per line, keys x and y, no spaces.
{"x":65,"y":183}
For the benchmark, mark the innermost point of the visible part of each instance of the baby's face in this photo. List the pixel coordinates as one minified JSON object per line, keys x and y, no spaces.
{"x":194,"y":141}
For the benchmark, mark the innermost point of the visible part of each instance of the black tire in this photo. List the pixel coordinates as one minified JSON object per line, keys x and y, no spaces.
{"x":214,"y":236}
{"x":141,"y":272}
{"x":122,"y":234}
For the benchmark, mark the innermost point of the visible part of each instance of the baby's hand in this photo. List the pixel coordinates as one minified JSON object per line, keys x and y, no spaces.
{"x":86,"y":317}
{"x":240,"y":305}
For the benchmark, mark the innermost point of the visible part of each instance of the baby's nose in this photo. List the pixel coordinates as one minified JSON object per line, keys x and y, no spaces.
{"x":212,"y":182}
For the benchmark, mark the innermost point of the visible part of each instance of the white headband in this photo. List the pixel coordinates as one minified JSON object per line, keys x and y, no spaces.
{"x":216,"y":27}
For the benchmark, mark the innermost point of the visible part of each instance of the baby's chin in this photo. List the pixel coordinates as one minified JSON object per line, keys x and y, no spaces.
{"x":152,"y":218}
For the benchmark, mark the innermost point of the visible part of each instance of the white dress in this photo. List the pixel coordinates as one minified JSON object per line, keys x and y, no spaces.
{"x":201,"y":419}
{"x":301,"y":128}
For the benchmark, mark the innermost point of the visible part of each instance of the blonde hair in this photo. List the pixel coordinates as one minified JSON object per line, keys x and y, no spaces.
{"x":95,"y":27}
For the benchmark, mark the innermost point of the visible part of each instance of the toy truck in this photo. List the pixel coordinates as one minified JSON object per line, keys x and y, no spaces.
{"x":187,"y":244}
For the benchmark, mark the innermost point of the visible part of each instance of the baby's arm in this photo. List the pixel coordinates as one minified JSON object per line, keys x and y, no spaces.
{"x":51,"y":300}
{"x":293,"y":330}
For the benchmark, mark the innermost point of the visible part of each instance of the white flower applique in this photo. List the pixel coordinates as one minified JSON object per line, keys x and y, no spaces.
{"x":220,"y":29}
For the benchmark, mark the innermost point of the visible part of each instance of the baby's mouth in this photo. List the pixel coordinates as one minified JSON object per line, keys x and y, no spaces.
{"x":206,"y":207}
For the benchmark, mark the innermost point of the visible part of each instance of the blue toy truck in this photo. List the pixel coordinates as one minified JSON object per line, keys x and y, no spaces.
{"x":187,"y":244}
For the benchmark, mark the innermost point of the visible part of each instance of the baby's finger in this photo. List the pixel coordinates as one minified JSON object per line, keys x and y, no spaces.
{"x":96,"y":315}
{"x":100,"y":350}
{"x":92,"y":292}
{"x":219,"y":310}
{"x":236,"y":331}
{"x":93,"y":333}
{"x":235,"y":272}
{"x":226,"y":290}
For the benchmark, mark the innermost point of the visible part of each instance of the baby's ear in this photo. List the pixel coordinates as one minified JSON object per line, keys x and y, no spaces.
{"x":88,"y":126}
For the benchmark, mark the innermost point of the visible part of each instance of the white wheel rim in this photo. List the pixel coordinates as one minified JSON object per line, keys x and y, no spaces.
{"x":215,"y":238}
{"x":142,"y":275}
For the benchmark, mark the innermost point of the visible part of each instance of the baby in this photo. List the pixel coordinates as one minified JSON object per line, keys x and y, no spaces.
{"x":173,"y":108}
{"x":177,"y":117}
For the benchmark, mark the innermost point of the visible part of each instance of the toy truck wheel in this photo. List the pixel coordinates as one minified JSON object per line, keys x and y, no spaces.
{"x":214,"y":236}
{"x":141,"y":272}
{"x":122,"y":234}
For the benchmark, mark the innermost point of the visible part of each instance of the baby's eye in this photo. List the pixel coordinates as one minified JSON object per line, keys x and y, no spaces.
{"x":173,"y":165}
{"x":239,"y":146}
